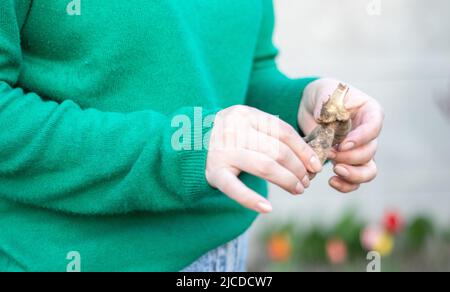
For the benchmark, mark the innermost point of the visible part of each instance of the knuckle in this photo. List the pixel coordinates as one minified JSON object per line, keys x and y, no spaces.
{"x":282,"y":155}
{"x":266,"y":167}
{"x":286,"y":131}
{"x":342,"y":158}
{"x":208,"y":175}
{"x":305,"y":149}
{"x":354,"y":188}
{"x":226,"y":189}
{"x":210,"y":179}
{"x":373,"y":150}
{"x":212,"y":176}
{"x":363,"y":157}
{"x":350,"y":188}
{"x":247,"y":201}
{"x":366,"y":175}
{"x":345,"y":190}
{"x":373,"y":171}
{"x":302,"y":171}
{"x":358,"y":178}
{"x":232,"y":111}
{"x":373,"y":166}
{"x":381,"y":110}
{"x":239,"y":109}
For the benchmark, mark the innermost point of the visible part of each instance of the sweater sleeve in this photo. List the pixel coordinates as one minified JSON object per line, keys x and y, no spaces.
{"x":85,"y":161}
{"x":269,"y":89}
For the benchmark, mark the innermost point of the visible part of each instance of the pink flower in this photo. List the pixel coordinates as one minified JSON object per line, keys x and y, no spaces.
{"x":336,"y":251}
{"x":377,"y":239}
{"x":370,"y":236}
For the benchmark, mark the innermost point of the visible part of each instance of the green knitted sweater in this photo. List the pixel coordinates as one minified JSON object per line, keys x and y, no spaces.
{"x":88,"y":96}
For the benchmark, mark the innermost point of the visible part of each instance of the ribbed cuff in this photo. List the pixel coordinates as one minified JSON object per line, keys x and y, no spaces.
{"x":193,"y":163}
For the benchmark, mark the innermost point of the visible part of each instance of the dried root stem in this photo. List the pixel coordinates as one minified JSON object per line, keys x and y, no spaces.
{"x":334,"y":124}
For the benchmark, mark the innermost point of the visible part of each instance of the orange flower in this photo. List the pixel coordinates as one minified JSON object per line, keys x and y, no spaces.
{"x":279,"y":247}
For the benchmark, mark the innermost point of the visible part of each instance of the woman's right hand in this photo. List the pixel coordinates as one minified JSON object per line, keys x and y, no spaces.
{"x":245,"y":139}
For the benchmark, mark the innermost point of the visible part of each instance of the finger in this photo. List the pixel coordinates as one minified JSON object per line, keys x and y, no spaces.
{"x":279,"y":152}
{"x":357,"y":156}
{"x":284,"y":132}
{"x":342,"y":185}
{"x":369,"y":128}
{"x":263,"y":166}
{"x":353,"y":99}
{"x":357,"y":174}
{"x":230,"y":185}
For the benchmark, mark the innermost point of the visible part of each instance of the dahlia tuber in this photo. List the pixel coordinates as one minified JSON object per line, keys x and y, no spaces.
{"x":334,"y":124}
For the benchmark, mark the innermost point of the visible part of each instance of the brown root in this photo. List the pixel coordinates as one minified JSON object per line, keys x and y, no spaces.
{"x":334,"y":124}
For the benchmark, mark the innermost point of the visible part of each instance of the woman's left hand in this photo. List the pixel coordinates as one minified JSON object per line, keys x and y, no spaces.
{"x":353,"y":159}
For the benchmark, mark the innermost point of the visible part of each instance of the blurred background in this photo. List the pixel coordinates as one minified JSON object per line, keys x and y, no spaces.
{"x":398,"y":51}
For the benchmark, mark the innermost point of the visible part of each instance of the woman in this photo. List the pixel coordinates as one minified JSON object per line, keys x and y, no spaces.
{"x":90,"y":95}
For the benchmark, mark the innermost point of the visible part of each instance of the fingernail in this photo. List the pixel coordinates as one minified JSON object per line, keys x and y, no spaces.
{"x":334,"y":182}
{"x":347,"y":146}
{"x":264,"y":207}
{"x":341,"y":171}
{"x":306,"y":181}
{"x":299,"y":189}
{"x":315,"y":163}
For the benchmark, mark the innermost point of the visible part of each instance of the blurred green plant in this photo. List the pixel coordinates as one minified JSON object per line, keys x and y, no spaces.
{"x":417,"y":233}
{"x":311,"y":245}
{"x":345,"y":244}
{"x":446,"y":236}
{"x":349,"y":229}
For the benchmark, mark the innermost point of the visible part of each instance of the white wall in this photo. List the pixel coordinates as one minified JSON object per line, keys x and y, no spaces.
{"x":401,"y":57}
